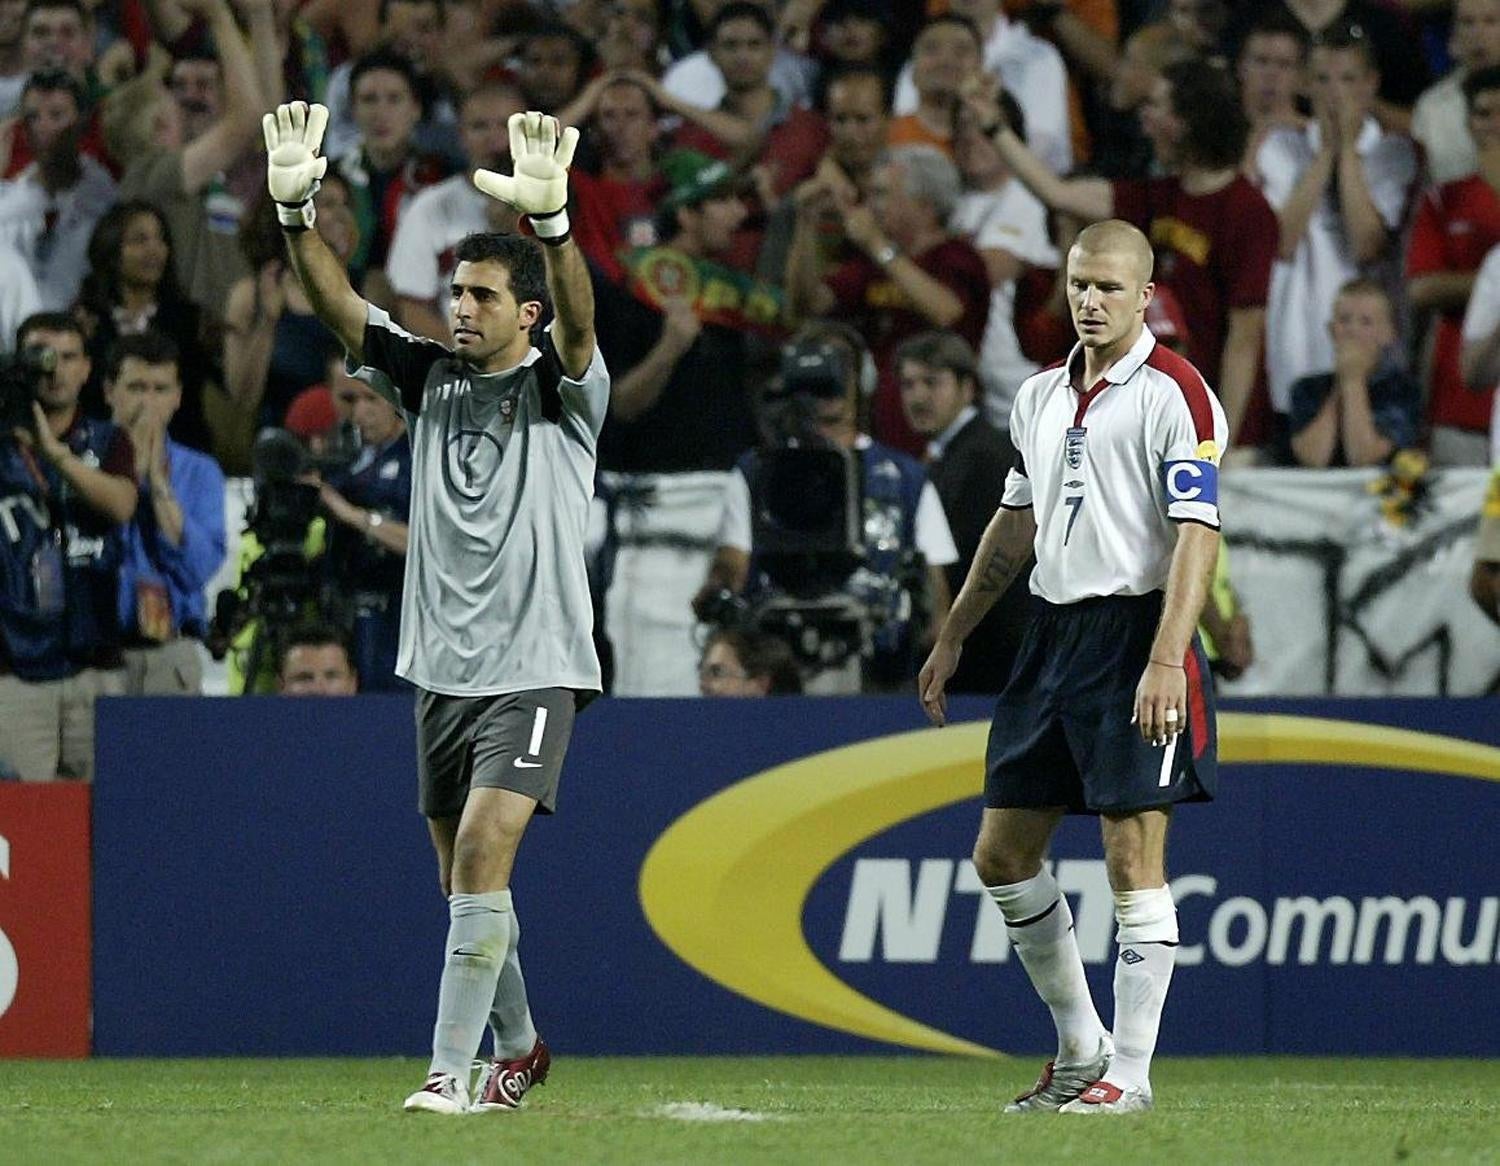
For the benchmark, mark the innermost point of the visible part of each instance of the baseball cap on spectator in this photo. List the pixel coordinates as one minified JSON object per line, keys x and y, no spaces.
{"x":311,"y":413}
{"x":1165,"y":318}
{"x":693,"y":177}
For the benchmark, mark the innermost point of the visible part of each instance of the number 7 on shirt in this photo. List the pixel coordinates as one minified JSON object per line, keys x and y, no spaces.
{"x":1075,"y":503}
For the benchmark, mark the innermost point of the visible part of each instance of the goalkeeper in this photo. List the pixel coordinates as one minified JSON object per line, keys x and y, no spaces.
{"x":496,"y":619}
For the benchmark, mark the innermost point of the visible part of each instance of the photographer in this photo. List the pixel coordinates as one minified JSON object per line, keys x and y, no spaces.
{"x":175,"y":543}
{"x":897,"y":544}
{"x":369,"y":502}
{"x":67,"y":483}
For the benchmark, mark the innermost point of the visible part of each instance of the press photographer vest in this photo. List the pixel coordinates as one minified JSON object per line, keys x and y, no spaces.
{"x":41,"y":518}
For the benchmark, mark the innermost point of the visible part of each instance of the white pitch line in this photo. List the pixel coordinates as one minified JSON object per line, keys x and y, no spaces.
{"x":707,"y":1111}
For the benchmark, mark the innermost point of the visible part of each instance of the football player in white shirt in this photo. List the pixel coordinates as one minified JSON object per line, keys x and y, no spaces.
{"x":1109,"y":709}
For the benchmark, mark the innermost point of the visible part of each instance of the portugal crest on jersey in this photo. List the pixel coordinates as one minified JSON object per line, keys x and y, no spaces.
{"x":1073,"y":447}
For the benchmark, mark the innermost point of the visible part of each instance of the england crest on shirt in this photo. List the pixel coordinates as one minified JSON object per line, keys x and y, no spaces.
{"x":1073,"y":447}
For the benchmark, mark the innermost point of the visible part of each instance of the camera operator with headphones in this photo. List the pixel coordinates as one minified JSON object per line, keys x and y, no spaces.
{"x":67,"y":483}
{"x":369,"y":502}
{"x":851,"y":573}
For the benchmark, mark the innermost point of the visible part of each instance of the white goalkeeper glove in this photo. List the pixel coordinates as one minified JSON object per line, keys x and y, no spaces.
{"x":540,"y":154}
{"x":293,"y":134}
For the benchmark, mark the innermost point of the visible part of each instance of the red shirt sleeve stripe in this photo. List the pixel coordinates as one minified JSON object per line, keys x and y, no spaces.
{"x":1190,"y":382}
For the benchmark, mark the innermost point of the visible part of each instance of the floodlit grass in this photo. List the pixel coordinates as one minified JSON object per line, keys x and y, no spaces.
{"x":793,"y":1109}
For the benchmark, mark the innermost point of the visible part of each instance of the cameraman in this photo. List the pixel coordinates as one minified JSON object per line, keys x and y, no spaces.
{"x":370,"y":502}
{"x":900,"y":513}
{"x":67,"y":483}
{"x":175,"y":543}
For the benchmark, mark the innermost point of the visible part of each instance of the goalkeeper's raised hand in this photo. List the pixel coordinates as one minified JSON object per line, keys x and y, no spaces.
{"x":540,"y":153}
{"x":294,"y":134}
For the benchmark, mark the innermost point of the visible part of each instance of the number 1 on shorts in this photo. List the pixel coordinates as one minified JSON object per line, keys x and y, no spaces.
{"x":538,"y":727}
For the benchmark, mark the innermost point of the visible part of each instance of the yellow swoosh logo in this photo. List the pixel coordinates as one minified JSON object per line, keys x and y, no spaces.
{"x":725,"y":884}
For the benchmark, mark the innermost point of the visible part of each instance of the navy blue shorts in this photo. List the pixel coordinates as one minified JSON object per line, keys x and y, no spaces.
{"x":1062,"y":734}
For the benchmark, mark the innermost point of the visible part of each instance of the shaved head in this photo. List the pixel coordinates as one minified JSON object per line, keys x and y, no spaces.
{"x":1117,"y":237}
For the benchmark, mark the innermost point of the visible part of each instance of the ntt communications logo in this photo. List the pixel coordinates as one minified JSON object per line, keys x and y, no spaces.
{"x":898,"y":909}
{"x":725,"y":886}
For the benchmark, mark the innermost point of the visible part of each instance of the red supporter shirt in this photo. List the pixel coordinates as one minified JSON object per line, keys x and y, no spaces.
{"x":90,"y":142}
{"x":1457,"y":223}
{"x":791,"y":152}
{"x":610,"y":216}
{"x":874,"y":303}
{"x":1214,"y":251}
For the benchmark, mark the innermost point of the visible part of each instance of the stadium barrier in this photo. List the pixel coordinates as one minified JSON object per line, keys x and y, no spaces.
{"x":1379,"y":580}
{"x":782,"y":876}
{"x":44,"y":920}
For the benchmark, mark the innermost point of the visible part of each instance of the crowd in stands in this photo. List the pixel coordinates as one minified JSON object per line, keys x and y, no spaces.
{"x":888,"y":187}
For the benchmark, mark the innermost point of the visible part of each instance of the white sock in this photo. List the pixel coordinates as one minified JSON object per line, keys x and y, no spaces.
{"x":1147,"y":936}
{"x":1040,"y":925}
{"x":479,"y":929}
{"x":510,"y":1015}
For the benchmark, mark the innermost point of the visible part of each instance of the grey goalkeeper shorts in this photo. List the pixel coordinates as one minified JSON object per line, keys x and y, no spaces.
{"x":515,"y":741}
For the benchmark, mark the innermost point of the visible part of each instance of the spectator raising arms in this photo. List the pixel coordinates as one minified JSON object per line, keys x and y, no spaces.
{"x":1214,"y":234}
{"x":912,"y":273}
{"x":176,"y":158}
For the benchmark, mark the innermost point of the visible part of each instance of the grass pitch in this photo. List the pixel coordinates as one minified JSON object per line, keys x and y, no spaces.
{"x":749,"y":1109}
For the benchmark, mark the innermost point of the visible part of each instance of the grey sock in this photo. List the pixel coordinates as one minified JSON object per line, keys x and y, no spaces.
{"x":479,"y":928}
{"x":510,"y":1015}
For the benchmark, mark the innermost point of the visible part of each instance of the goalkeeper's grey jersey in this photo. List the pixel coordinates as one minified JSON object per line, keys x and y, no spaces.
{"x":496,"y":597}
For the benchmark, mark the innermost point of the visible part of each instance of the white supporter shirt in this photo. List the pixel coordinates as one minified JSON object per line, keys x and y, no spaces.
{"x":1033,"y":70}
{"x":58,"y":258}
{"x":696,"y":80}
{"x":1303,"y":290}
{"x":1440,"y":122}
{"x":420,"y":264}
{"x":1480,"y":321}
{"x":1110,"y":471}
{"x":18,"y":295}
{"x":1012,"y":220}
{"x":933,"y":537}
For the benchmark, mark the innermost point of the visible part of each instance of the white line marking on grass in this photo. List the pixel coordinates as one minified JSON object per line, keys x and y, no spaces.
{"x":707,"y":1111}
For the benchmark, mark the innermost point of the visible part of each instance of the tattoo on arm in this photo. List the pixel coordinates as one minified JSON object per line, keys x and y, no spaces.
{"x":999,"y":571}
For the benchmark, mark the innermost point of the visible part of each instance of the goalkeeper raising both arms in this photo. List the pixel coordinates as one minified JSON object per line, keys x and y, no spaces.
{"x":496,"y":623}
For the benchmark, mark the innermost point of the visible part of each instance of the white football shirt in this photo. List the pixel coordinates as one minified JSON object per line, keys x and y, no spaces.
{"x":1110,"y":471}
